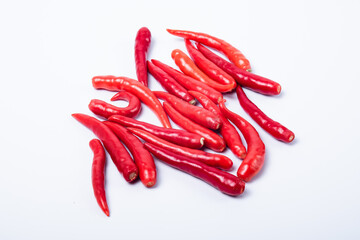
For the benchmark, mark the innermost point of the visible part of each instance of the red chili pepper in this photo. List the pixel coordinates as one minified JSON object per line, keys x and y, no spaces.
{"x":255,"y":156}
{"x":170,"y":84}
{"x":142,"y":157}
{"x":197,"y":114}
{"x":244,"y":78}
{"x":176,"y":136}
{"x":212,"y":140}
{"x":208,"y":67}
{"x":117,"y":151}
{"x":142,"y":43}
{"x":188,"y":82}
{"x":188,"y":67}
{"x":113,"y":83}
{"x":211,"y":159}
{"x":275,"y":129}
{"x":229,"y":133}
{"x":231,"y":52}
{"x":223,"y":181}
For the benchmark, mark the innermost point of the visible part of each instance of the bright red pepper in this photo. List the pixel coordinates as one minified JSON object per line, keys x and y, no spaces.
{"x":177,"y":136}
{"x":117,"y":151}
{"x":244,"y":78}
{"x":275,"y":129}
{"x":97,"y":174}
{"x":142,"y":43}
{"x":211,"y":159}
{"x":233,"y":54}
{"x":197,"y":114}
{"x":113,"y":83}
{"x":255,"y":156}
{"x":223,"y":181}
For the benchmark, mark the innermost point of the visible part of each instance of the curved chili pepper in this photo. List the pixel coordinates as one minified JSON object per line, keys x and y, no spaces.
{"x":211,"y":159}
{"x":113,"y":83}
{"x":177,"y":136}
{"x":188,"y":82}
{"x":233,"y":54}
{"x":188,"y":67}
{"x":142,"y":157}
{"x":212,"y":140}
{"x":170,"y":84}
{"x":97,"y":174}
{"x":197,"y":114}
{"x":208,"y":67}
{"x":255,"y":156}
{"x":142,"y":43}
{"x":223,"y":181}
{"x":117,"y":151}
{"x":244,"y":78}
{"x":275,"y":129}
{"x":229,"y":133}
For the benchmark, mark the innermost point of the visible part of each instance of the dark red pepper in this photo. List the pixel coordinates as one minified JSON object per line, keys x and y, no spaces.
{"x":142,"y":43}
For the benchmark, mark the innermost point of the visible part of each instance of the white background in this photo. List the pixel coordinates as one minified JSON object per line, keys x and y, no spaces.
{"x":49,"y":50}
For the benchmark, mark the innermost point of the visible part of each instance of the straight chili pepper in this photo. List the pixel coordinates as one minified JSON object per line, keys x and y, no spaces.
{"x":188,"y":82}
{"x":233,"y":54}
{"x":244,"y":78}
{"x":142,"y":157}
{"x":113,"y":83}
{"x":97,"y":174}
{"x":142,"y":43}
{"x":169,"y":83}
{"x":275,"y":129}
{"x":255,"y":156}
{"x":229,"y":133}
{"x":177,"y":136}
{"x":199,"y":115}
{"x":223,"y":181}
{"x":188,"y":67}
{"x":117,"y":151}
{"x":212,"y":140}
{"x":211,"y":159}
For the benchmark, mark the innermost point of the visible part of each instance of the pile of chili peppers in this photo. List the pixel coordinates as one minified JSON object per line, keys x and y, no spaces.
{"x":204,"y":77}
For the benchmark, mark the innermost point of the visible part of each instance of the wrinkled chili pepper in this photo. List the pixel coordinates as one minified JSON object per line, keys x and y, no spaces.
{"x":212,"y":140}
{"x":255,"y":156}
{"x":211,"y":159}
{"x":142,"y":43}
{"x":142,"y":157}
{"x":233,"y":54}
{"x":114,"y":147}
{"x":113,"y":83}
{"x":275,"y":129}
{"x":199,"y":115}
{"x":223,"y":181}
{"x":177,"y":136}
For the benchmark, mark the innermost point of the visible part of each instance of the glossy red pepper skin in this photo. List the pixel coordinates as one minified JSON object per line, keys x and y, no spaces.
{"x":97,"y":174}
{"x":189,"y":83}
{"x":223,"y":181}
{"x":229,"y":133}
{"x":188,"y":67}
{"x":199,"y":115}
{"x":114,"y":147}
{"x":244,"y":78}
{"x":179,"y":137}
{"x":170,"y":84}
{"x":255,"y":156}
{"x":211,"y":159}
{"x":275,"y":129}
{"x":142,"y":43}
{"x":212,"y":140}
{"x":142,"y":157}
{"x":208,"y":67}
{"x":233,"y":54}
{"x":113,"y":83}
